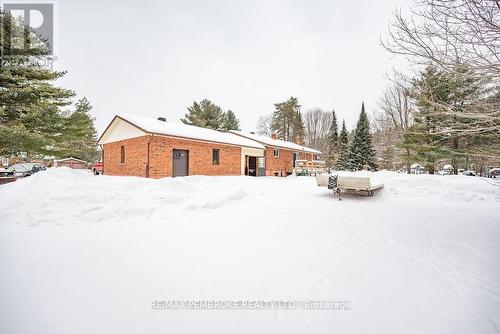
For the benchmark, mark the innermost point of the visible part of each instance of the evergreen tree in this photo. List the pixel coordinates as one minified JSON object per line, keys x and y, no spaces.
{"x":287,"y":119}
{"x":80,"y":135}
{"x":298,"y":128}
{"x":31,"y":119}
{"x":422,"y":137}
{"x":231,"y":122}
{"x":333,"y":138}
{"x":448,"y":122}
{"x":361,"y":152}
{"x":205,"y":114}
{"x":343,"y":149}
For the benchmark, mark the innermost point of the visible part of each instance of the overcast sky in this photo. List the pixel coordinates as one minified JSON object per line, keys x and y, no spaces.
{"x":156,"y":57}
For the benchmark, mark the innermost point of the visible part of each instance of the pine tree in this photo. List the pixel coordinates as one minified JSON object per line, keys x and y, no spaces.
{"x":343,"y":149}
{"x":231,"y":122}
{"x":361,"y":152}
{"x":205,"y":114}
{"x":333,"y":138}
{"x":298,"y":128}
{"x":451,"y":120}
{"x":80,"y":135}
{"x":286,"y":121}
{"x":31,"y":119}
{"x":421,"y":138}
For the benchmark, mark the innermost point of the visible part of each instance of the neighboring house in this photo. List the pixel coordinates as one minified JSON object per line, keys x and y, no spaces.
{"x":417,"y":169}
{"x":141,"y":146}
{"x":447,"y":170}
{"x":71,"y":163}
{"x":280,"y":155}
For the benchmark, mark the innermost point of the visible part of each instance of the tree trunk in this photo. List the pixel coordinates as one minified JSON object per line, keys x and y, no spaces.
{"x":408,"y":165}
{"x":430,"y":168}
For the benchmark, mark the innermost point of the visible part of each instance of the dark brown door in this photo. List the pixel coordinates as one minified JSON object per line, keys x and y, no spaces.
{"x":252,"y":166}
{"x":295,"y":158}
{"x":181,"y":163}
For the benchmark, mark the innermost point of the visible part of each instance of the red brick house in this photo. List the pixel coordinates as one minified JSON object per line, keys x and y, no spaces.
{"x":280,"y":155}
{"x":141,"y":146}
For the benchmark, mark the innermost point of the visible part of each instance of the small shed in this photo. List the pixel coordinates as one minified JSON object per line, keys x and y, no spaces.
{"x":71,"y":163}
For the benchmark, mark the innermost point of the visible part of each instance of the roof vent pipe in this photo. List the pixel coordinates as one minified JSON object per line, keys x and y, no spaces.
{"x":163,"y":119}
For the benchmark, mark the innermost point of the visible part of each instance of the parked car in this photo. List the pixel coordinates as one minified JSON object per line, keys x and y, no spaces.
{"x":97,"y":168}
{"x":469,"y":173}
{"x":5,"y":172}
{"x":25,"y":169}
{"x":494,"y":172}
{"x":7,"y":175}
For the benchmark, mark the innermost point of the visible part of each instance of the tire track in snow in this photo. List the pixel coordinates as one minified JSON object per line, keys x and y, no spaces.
{"x":454,"y":274}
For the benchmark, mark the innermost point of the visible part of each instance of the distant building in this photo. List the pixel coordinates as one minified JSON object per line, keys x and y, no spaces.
{"x":417,"y":169}
{"x":71,"y":163}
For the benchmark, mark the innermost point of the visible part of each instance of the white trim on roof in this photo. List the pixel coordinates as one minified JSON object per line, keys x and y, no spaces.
{"x":120,"y":129}
{"x":71,"y":158}
{"x":146,"y":125}
{"x":276,"y":142}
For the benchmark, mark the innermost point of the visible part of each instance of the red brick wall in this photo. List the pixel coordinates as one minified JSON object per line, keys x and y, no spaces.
{"x":200,"y":157}
{"x":283,"y":163}
{"x":160,"y":157}
{"x":136,"y":150}
{"x":306,"y":156}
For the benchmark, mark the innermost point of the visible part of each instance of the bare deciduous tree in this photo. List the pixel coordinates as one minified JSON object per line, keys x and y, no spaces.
{"x":392,"y":120}
{"x":461,"y":37}
{"x":317,"y":125}
{"x":447,"y":32}
{"x":264,"y":125}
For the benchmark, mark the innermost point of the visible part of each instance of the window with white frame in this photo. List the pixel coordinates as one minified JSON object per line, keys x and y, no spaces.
{"x":276,"y":153}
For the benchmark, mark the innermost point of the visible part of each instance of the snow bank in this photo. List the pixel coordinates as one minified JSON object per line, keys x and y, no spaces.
{"x":89,"y":254}
{"x":67,"y":196}
{"x":449,"y":189}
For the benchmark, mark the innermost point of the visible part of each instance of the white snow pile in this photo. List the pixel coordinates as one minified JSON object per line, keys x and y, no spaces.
{"x":90,"y":254}
{"x":66,"y":196}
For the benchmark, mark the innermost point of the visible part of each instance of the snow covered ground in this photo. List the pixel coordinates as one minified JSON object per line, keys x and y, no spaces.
{"x":86,"y":254}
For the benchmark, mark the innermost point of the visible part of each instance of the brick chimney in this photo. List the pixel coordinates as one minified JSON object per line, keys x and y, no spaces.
{"x":298,"y":140}
{"x":273,"y":135}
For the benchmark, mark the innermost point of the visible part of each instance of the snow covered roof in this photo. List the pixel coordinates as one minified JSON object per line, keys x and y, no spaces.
{"x":275,"y":142}
{"x":447,"y":167}
{"x":70,"y":158}
{"x":174,"y":129}
{"x":416,"y":166}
